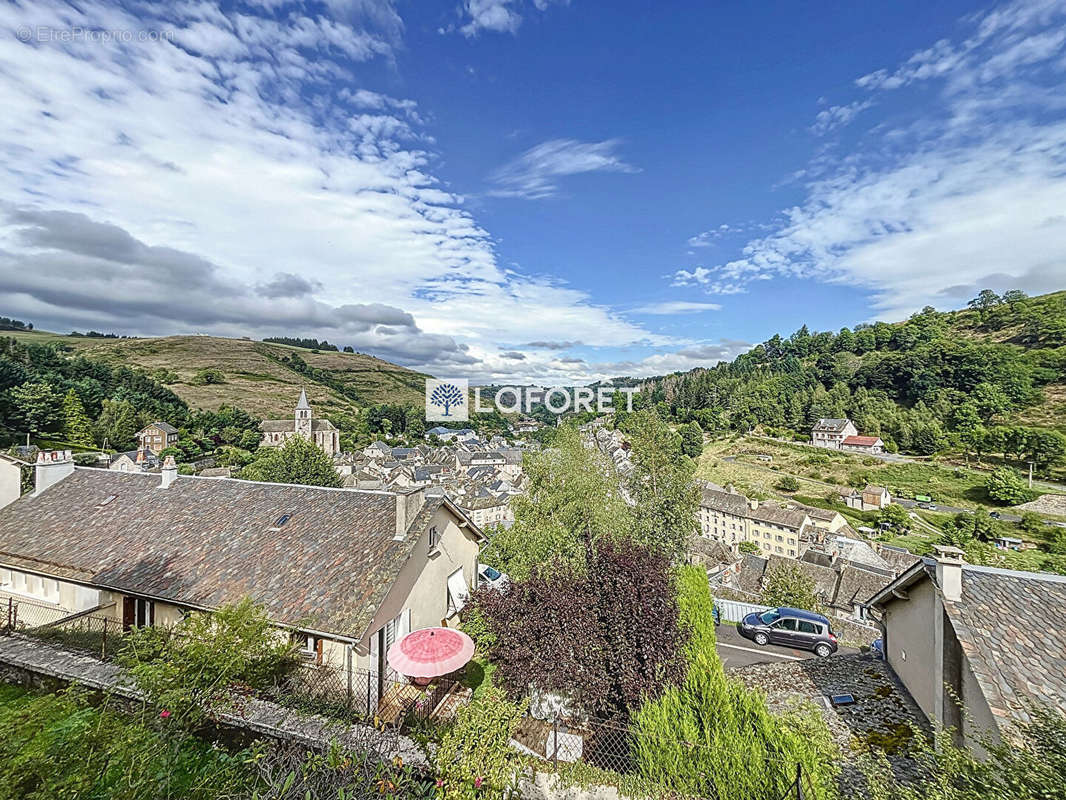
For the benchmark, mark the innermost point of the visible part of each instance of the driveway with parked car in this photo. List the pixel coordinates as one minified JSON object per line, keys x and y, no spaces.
{"x":740,"y":644}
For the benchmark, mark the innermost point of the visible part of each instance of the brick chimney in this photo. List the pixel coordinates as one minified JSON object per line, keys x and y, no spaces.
{"x":949,"y":561}
{"x":169,"y":472}
{"x":408,"y":504}
{"x":52,"y":467}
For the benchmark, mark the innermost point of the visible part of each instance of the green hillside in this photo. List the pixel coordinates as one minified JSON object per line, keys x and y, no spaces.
{"x":989,"y":380}
{"x":260,"y":378}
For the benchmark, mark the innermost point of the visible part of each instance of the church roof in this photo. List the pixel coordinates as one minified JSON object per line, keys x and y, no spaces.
{"x":302,"y":403}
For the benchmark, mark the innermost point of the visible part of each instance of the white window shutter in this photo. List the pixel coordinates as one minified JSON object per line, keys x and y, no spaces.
{"x":405,"y":623}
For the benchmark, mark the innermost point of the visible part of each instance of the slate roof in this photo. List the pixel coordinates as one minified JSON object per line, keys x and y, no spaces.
{"x":1012,"y":627}
{"x":166,"y":427}
{"x":208,"y":541}
{"x":830,"y":425}
{"x":858,"y":585}
{"x":749,"y":576}
{"x":778,"y":515}
{"x":735,"y":504}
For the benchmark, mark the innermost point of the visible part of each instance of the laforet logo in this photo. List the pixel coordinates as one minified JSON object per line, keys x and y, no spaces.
{"x":446,"y":400}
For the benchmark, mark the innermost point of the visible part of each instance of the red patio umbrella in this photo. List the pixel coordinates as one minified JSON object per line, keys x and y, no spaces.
{"x":430,"y":652}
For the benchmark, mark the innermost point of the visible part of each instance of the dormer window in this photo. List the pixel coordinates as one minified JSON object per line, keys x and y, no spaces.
{"x":434,"y":538}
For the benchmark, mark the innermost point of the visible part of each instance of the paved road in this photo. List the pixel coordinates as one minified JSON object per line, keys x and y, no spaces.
{"x":953,"y":510}
{"x":736,"y":651}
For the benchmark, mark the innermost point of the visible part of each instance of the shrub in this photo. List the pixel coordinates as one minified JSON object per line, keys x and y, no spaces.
{"x":605,"y":638}
{"x":1006,"y":486}
{"x":748,"y":548}
{"x":474,"y":758}
{"x":712,"y":737}
{"x":787,"y":484}
{"x":206,"y":376}
{"x":192,"y":669}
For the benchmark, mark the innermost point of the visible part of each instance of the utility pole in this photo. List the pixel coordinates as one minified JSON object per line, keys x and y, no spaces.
{"x":1031,"y":474}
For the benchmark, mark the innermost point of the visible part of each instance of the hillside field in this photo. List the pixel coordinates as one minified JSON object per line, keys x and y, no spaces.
{"x":257,"y":379}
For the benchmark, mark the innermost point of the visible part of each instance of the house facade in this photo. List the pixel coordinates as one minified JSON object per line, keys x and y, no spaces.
{"x":344,"y":572}
{"x":732,"y":518}
{"x":321,"y":431}
{"x":831,"y":433}
{"x":158,"y":436}
{"x":976,"y":646}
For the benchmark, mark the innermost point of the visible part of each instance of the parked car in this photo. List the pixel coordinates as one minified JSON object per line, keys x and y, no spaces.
{"x":994,"y":514}
{"x":791,"y":627}
{"x":716,"y":615}
{"x":493,"y":578}
{"x":927,"y":506}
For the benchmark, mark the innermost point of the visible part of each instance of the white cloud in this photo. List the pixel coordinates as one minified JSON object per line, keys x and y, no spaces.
{"x":494,"y":16}
{"x":254,"y":191}
{"x":834,"y":117}
{"x":677,"y":307}
{"x":535,"y":174}
{"x":965,"y":195}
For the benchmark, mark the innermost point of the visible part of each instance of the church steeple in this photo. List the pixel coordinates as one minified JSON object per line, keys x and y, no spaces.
{"x":303,"y":416}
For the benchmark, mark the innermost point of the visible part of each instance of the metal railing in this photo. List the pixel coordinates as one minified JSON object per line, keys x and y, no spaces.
{"x":93,"y":631}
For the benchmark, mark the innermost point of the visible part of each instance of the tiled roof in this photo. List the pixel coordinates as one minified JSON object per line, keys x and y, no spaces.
{"x":862,"y":441}
{"x":209,"y":541}
{"x":834,"y":425}
{"x":857,"y":585}
{"x":736,"y":504}
{"x":778,"y":515}
{"x":166,"y":427}
{"x":1012,"y":627}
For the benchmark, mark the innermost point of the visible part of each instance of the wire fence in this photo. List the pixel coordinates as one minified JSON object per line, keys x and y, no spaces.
{"x":95,"y":631}
{"x":376,"y":708}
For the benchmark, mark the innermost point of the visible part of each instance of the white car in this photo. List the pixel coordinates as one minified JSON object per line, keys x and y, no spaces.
{"x":493,"y":578}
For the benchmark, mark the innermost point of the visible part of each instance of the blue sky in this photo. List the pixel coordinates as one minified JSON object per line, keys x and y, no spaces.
{"x":513,"y":190}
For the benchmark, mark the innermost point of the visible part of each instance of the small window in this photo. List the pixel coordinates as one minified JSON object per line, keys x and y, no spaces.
{"x":785,"y":624}
{"x":434,"y":537}
{"x":282,"y":520}
{"x":809,"y":627}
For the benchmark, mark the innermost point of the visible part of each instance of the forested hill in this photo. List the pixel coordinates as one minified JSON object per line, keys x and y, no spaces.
{"x":938,"y":380}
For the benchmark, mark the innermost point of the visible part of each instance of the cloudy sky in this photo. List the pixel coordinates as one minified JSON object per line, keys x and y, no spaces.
{"x":526,"y":189}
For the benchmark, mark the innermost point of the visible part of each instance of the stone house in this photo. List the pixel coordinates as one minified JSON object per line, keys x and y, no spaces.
{"x":158,"y":436}
{"x":871,"y":498}
{"x":140,"y":460}
{"x":975,"y":646}
{"x":831,"y":433}
{"x":321,"y":431}
{"x":344,"y":572}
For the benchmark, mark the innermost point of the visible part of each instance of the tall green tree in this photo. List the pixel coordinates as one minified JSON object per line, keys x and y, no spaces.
{"x":661,"y":485}
{"x":117,"y":425}
{"x":572,"y":500}
{"x":37,"y":407}
{"x":77,"y":427}
{"x":299,"y":460}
